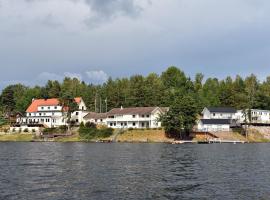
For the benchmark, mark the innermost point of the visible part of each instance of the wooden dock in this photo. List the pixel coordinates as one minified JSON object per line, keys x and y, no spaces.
{"x":225,"y":141}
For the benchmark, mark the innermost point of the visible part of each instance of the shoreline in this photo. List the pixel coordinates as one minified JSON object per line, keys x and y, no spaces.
{"x":125,"y":138}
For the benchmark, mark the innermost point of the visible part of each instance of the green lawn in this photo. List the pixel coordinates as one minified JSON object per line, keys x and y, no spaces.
{"x":16,"y":137}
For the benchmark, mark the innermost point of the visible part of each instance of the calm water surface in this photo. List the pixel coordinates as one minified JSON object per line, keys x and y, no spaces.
{"x":134,"y":171}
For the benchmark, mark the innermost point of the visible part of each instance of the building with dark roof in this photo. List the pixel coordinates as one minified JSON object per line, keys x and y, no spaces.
{"x":217,"y":119}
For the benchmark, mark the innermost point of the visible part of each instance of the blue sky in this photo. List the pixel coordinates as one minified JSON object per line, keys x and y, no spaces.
{"x":95,"y":39}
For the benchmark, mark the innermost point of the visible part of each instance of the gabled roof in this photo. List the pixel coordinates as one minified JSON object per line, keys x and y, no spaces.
{"x":222,"y":109}
{"x":216,"y":121}
{"x":133,"y":110}
{"x":47,"y":102}
{"x":93,"y":115}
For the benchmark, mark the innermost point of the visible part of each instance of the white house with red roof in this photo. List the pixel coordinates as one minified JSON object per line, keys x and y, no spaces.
{"x":49,"y":113}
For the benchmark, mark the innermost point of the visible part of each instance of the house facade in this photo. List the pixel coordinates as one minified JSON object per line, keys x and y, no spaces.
{"x":97,"y":118}
{"x":216,"y":119}
{"x":137,"y":117}
{"x":254,"y":116}
{"x":49,"y":113}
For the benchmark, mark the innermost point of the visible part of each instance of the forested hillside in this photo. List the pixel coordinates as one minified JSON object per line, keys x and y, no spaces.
{"x":151,"y":90}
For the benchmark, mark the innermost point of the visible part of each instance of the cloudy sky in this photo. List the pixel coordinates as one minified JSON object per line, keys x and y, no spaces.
{"x":94,"y":39}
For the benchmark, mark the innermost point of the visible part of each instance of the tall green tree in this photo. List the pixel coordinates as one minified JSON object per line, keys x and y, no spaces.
{"x":181,"y":117}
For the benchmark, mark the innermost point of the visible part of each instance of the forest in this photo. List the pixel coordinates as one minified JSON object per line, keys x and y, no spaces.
{"x":150,"y":90}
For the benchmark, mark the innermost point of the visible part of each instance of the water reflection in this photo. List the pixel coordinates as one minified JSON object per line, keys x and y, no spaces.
{"x":133,"y":171}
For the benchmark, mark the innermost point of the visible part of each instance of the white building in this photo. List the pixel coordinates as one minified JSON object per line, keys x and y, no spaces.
{"x":217,"y":119}
{"x":219,"y":113}
{"x":49,"y":113}
{"x":97,"y":118}
{"x":138,"y":117}
{"x":254,"y":116}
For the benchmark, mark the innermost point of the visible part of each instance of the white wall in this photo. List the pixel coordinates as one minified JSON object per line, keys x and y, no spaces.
{"x":213,"y":127}
{"x":217,"y":115}
{"x":135,"y":121}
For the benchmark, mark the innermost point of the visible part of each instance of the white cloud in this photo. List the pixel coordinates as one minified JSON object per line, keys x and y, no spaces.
{"x":45,"y":76}
{"x":73,"y":75}
{"x":97,"y":76}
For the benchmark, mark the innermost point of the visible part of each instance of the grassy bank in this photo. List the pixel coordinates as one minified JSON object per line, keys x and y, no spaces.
{"x":16,"y":137}
{"x":151,"y":136}
{"x":143,"y":136}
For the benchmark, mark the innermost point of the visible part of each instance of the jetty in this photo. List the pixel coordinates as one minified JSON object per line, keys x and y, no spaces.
{"x":217,"y":140}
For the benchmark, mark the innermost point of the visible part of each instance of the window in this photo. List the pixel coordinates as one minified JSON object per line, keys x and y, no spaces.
{"x":214,"y":114}
{"x":42,"y":108}
{"x":143,"y":124}
{"x":82,"y":107}
{"x":39,"y":114}
{"x":53,"y":113}
{"x":114,"y":124}
{"x":101,"y":120}
{"x":125,"y":123}
{"x":148,"y":116}
{"x":134,"y":124}
{"x":142,"y":116}
{"x":49,"y":108}
{"x":121,"y":124}
{"x":77,"y":113}
{"x":111,"y":124}
{"x":95,"y":120}
{"x":55,"y":107}
{"x":77,"y":120}
{"x":133,"y":116}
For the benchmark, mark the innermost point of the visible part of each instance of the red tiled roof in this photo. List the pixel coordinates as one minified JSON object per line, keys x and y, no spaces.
{"x":46,"y":102}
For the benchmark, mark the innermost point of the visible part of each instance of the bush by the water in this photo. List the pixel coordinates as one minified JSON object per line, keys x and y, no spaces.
{"x":60,"y":129}
{"x":89,"y":131}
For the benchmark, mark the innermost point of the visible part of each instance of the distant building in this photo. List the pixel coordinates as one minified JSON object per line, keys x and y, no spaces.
{"x":217,"y":119}
{"x":97,"y":118}
{"x":49,"y":113}
{"x":255,"y":116}
{"x":136,"y":117}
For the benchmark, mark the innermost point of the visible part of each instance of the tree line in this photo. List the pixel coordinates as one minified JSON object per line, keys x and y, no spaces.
{"x":167,"y":89}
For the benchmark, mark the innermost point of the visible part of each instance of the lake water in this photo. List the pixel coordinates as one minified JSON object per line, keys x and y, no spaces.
{"x":59,"y":171}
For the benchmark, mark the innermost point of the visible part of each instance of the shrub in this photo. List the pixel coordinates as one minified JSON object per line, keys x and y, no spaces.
{"x":25,"y":130}
{"x":91,"y":132}
{"x":63,"y":128}
{"x":160,"y":128}
{"x":131,"y":129}
{"x":50,"y":130}
{"x":90,"y":125}
{"x":5,"y":130}
{"x":14,"y":130}
{"x":103,"y":133}
{"x":20,"y":130}
{"x":33,"y":130}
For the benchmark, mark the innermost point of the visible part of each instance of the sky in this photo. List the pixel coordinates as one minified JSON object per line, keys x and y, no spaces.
{"x":96,"y":39}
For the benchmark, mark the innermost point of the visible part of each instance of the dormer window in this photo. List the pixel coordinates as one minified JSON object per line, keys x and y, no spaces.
{"x":55,"y":107}
{"x":42,"y":108}
{"x":49,"y":108}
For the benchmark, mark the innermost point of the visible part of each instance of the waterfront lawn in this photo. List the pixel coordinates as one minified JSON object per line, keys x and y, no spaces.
{"x":143,"y":136}
{"x":16,"y":137}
